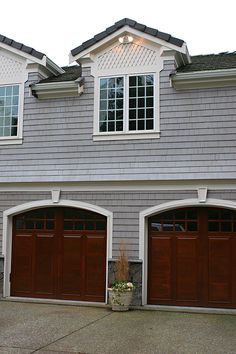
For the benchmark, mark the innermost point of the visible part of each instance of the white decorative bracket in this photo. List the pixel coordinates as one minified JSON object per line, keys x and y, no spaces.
{"x":56,"y":195}
{"x":202,"y":194}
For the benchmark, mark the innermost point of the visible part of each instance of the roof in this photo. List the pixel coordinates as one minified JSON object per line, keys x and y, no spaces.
{"x":71,"y":73}
{"x":133,"y":24}
{"x":210,"y":62}
{"x":21,"y":47}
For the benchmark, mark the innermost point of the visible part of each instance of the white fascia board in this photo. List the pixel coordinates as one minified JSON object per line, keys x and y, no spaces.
{"x":57,"y":89}
{"x":54,"y":68}
{"x":127,"y":29}
{"x":204,"y":79}
{"x":45,"y":61}
{"x":23,"y":54}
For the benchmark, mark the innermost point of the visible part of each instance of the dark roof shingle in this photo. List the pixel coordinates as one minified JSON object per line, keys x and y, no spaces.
{"x":210,"y":62}
{"x":21,"y":46}
{"x":71,"y":73}
{"x":133,"y":24}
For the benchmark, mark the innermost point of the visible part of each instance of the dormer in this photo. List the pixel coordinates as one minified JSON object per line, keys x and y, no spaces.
{"x":16,"y":62}
{"x":125,"y":61}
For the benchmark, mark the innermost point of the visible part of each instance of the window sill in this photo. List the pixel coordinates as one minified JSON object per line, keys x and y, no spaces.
{"x":10,"y":141}
{"x":126,"y":136}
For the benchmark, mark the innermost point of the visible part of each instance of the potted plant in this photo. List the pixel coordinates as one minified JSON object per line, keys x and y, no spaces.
{"x":122,"y":289}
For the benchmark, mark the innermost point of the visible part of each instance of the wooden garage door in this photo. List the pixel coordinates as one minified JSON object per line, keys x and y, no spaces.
{"x":192,"y":258}
{"x":59,"y":253}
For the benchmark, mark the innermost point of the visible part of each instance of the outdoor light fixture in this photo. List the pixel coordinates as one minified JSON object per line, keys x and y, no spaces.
{"x":126,"y":39}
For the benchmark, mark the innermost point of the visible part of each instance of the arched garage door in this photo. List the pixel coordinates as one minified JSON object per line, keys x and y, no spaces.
{"x":192,"y":258}
{"x":59,"y":253}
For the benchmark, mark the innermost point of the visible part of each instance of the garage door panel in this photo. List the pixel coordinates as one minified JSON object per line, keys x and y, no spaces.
{"x":71,"y":265}
{"x":220,"y":269}
{"x":187,"y":277}
{"x":95,"y":266}
{"x":22,"y":261}
{"x":44,"y":264}
{"x":160,"y":266}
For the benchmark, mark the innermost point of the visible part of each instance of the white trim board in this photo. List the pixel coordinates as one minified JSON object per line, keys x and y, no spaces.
{"x":143,"y":227}
{"x":7,"y":231}
{"x":118,"y":186}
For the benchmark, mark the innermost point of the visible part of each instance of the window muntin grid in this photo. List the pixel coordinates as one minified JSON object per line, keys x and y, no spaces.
{"x":9,"y":110}
{"x":111,"y":105}
{"x":141,"y":102}
{"x":126,"y":104}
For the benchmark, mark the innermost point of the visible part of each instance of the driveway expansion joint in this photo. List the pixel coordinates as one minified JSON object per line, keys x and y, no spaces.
{"x":72,"y":332}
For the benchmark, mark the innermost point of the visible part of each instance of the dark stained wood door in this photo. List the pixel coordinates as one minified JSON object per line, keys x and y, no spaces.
{"x":192,"y":258}
{"x":59,"y":253}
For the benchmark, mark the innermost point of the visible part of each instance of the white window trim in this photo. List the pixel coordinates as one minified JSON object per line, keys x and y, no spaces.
{"x":11,"y":140}
{"x":126,"y":134}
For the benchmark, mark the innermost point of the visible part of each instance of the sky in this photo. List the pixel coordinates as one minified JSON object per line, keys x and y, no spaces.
{"x":54,"y":27}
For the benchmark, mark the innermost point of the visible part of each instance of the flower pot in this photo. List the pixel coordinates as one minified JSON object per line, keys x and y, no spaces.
{"x":121,"y":300}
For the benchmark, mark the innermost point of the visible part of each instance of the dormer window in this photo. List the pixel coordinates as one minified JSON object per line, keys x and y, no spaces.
{"x":127,"y":104}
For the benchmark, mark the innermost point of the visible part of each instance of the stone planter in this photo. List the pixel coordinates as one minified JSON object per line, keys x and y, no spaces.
{"x":121,"y":301}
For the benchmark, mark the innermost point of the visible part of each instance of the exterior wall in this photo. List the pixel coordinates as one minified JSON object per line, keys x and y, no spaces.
{"x":125,"y":206}
{"x":197,"y":140}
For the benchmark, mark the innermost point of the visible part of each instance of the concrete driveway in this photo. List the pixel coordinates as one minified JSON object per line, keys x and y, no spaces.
{"x":48,"y":329}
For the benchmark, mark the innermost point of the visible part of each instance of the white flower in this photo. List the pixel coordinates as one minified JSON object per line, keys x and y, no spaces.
{"x":130,"y":285}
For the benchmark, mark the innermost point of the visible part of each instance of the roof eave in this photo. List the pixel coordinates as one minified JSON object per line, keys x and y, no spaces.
{"x":204,"y":79}
{"x":58,"y":89}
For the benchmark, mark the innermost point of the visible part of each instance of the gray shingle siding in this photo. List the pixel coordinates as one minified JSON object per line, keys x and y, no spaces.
{"x":198,"y":130}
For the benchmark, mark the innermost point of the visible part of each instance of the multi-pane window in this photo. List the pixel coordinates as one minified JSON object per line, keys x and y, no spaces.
{"x":141,"y":102}
{"x":111,"y":110}
{"x":9,"y":110}
{"x":126,"y":103}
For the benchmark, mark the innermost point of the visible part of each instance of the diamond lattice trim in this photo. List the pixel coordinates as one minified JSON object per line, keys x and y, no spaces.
{"x":127,"y":55}
{"x":10,"y":68}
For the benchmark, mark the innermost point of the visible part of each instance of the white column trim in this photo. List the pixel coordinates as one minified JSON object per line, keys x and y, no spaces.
{"x":7,"y":231}
{"x":143,"y":227}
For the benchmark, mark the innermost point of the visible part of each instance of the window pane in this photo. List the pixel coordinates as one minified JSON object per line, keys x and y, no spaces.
{"x":141,"y":124}
{"x":119,"y":104}
{"x":132,"y":125}
{"x":103,"y":94}
{"x":149,"y":124}
{"x":132,"y":92}
{"x":142,"y":100}
{"x":119,"y":126}
{"x":112,"y":83}
{"x":149,"y":80}
{"x":111,"y":104}
{"x":132,"y":114}
{"x":103,"y":83}
{"x":132,"y":81}
{"x":119,"y":115}
{"x":149,"y":91}
{"x":141,"y":80}
{"x":111,"y":115}
{"x":141,"y":113}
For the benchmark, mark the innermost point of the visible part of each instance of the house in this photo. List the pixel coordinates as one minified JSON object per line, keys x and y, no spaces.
{"x":134,"y":142}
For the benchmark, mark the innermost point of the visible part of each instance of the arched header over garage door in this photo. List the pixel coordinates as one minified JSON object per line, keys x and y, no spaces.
{"x":143,"y":227}
{"x":8,"y":223}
